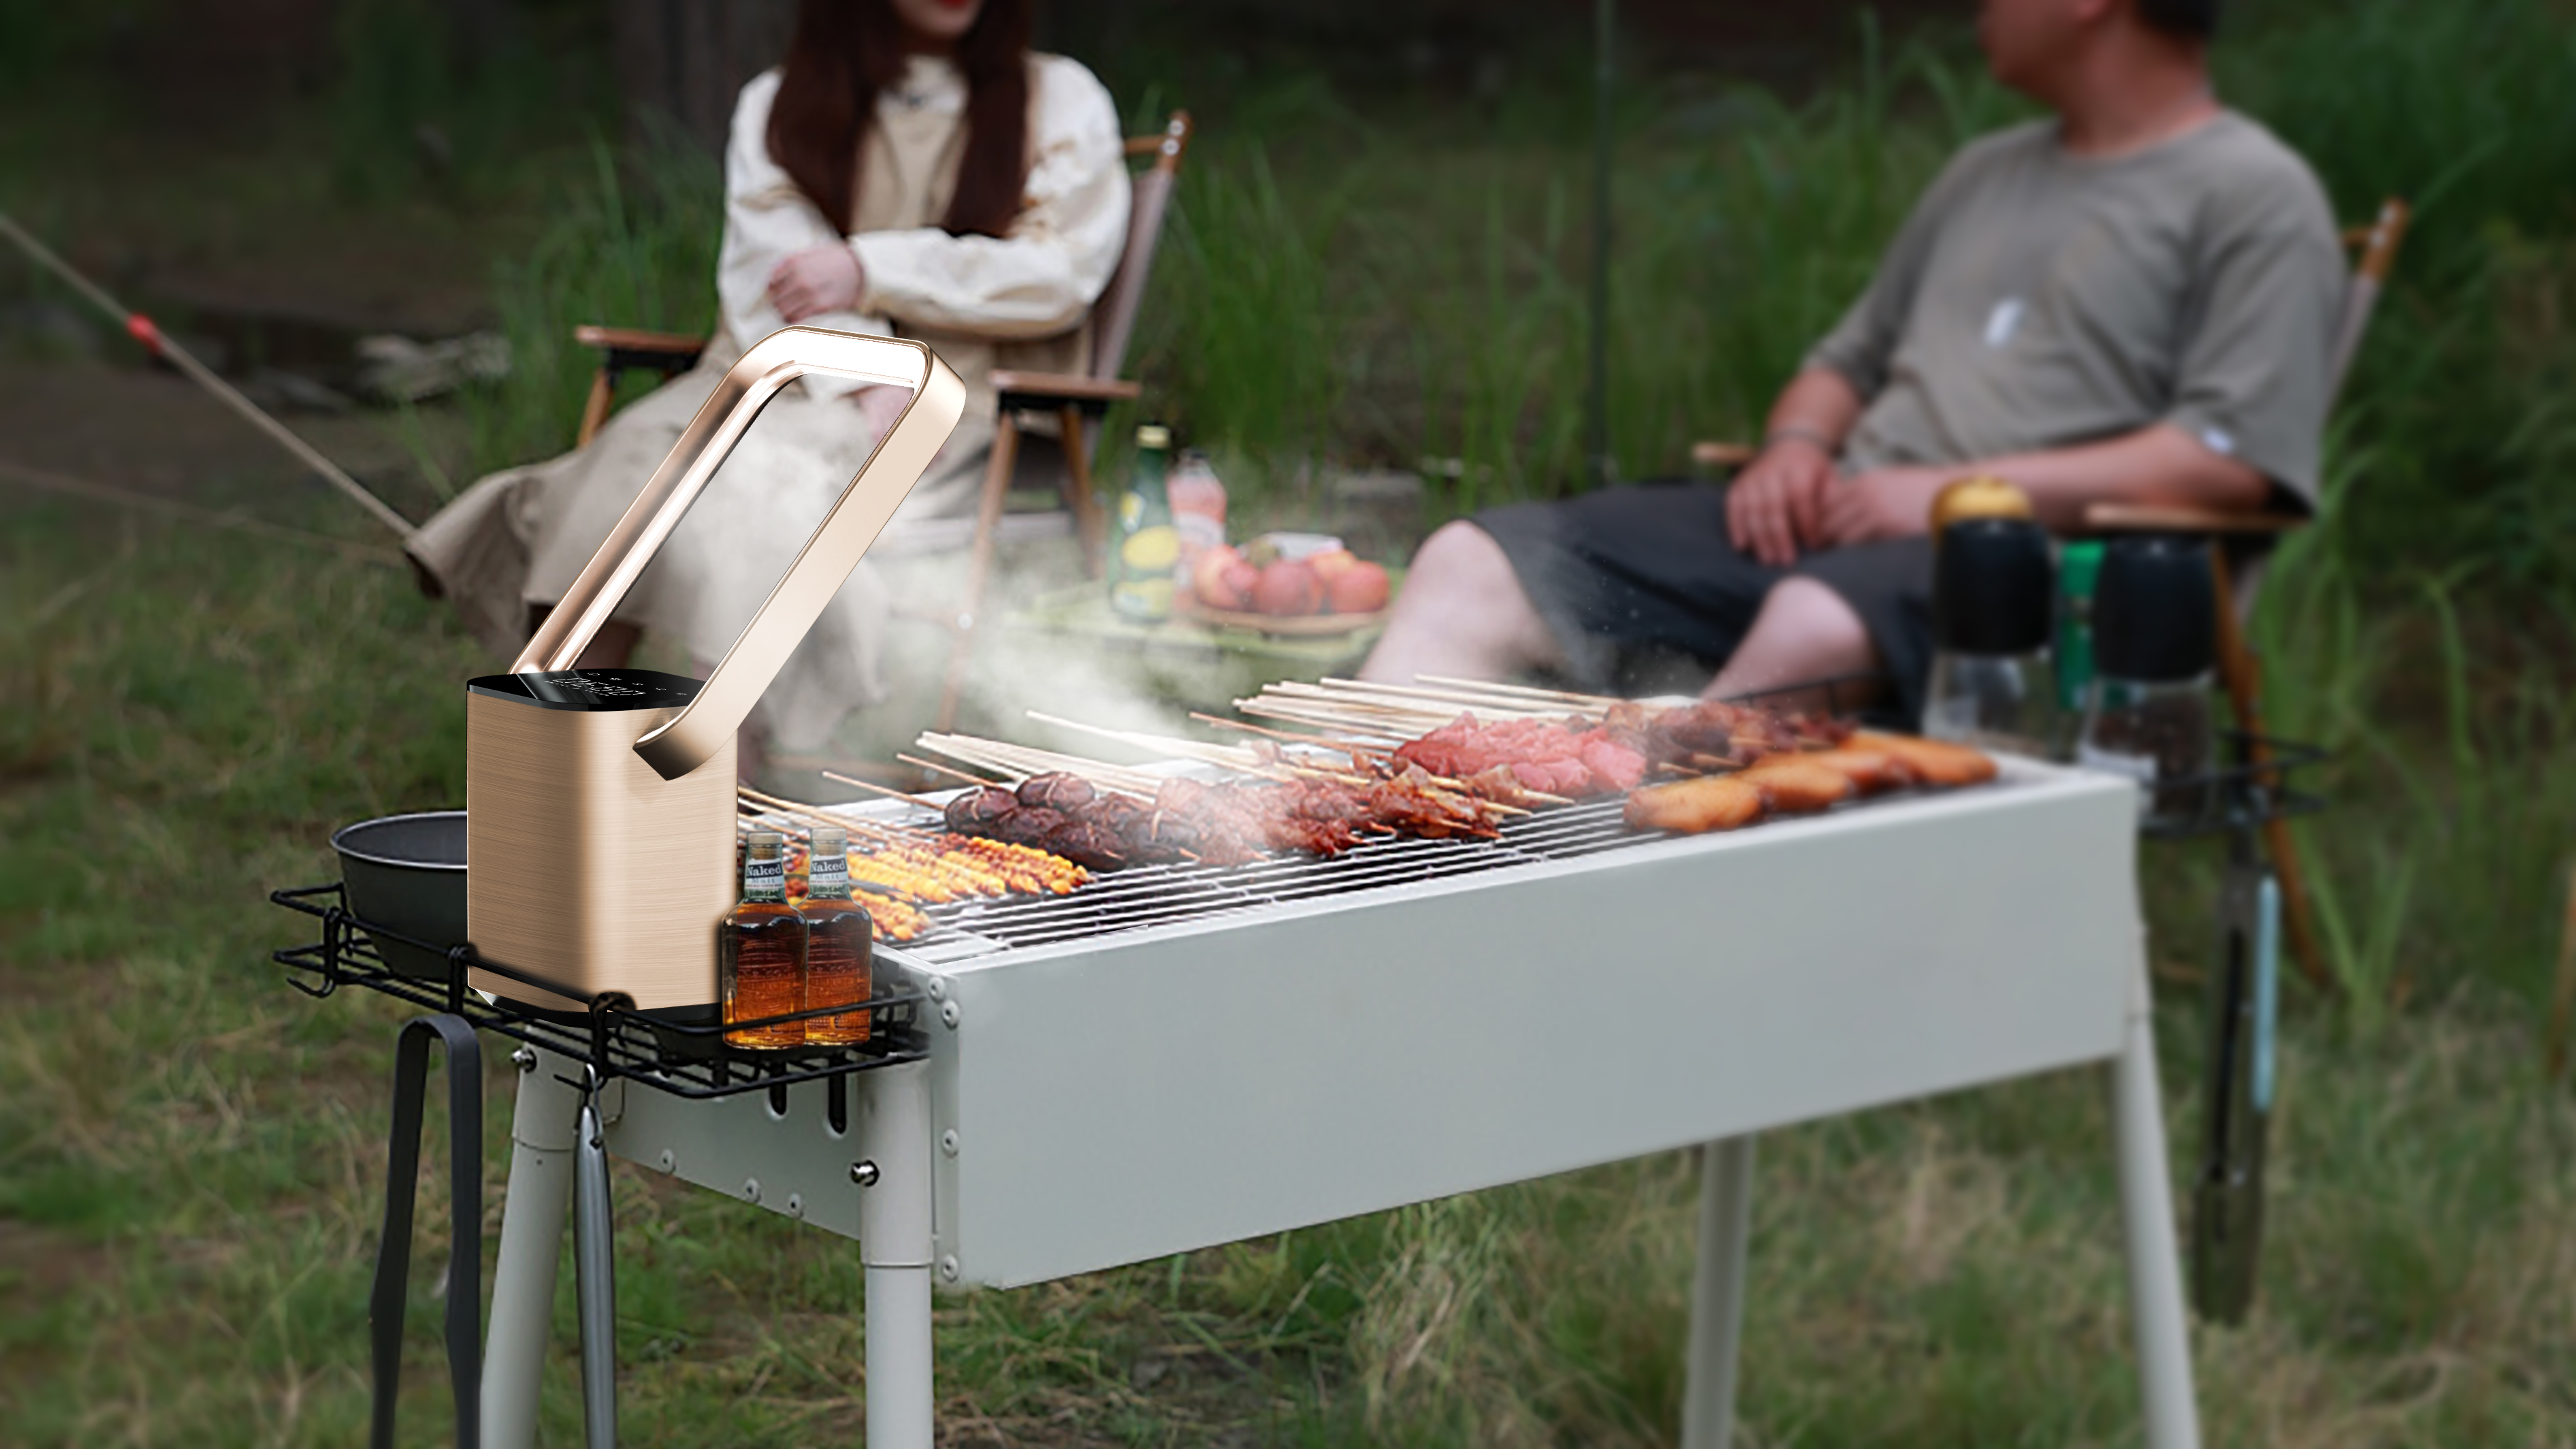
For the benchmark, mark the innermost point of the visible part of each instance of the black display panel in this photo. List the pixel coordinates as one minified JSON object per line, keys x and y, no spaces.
{"x":604,"y":691}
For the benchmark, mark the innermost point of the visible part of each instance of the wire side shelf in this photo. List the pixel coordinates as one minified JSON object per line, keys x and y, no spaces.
{"x":615,"y":1039}
{"x":2250,"y":789}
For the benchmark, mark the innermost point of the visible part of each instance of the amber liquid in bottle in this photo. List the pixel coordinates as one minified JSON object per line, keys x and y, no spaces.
{"x":840,"y":949}
{"x":760,"y":950}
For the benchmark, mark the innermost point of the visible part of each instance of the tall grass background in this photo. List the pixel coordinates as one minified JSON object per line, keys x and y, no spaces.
{"x":185,"y":1214}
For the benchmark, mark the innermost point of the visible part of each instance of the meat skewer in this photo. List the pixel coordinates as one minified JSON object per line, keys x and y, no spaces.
{"x":1252,"y":762}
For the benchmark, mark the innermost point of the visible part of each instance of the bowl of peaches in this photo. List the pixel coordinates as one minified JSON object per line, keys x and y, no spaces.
{"x":1286,"y":583}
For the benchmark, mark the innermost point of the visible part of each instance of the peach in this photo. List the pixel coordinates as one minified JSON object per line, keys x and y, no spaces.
{"x":1288,"y":587}
{"x":1359,"y":589}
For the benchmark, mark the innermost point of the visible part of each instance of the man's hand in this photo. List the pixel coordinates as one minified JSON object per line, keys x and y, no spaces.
{"x":1775,"y":507}
{"x":817,"y":280}
{"x":1882,"y":503}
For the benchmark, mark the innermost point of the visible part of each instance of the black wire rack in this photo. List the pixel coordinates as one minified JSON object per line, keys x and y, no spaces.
{"x":2251,"y":788}
{"x":667,"y":1051}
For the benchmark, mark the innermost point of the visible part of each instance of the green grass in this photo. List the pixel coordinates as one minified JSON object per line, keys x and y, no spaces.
{"x":189,"y":1152}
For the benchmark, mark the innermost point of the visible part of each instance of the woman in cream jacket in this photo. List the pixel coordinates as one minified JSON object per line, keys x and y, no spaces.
{"x":982,"y":199}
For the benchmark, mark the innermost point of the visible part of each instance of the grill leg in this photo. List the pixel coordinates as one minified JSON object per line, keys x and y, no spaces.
{"x":532,"y":1225}
{"x":895,"y":1251}
{"x":2147,"y":1219}
{"x":1717,"y":1292}
{"x":595,"y":1279}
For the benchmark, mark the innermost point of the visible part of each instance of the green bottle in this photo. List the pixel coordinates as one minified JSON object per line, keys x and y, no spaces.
{"x":1148,"y":547}
{"x":2079,"y":564}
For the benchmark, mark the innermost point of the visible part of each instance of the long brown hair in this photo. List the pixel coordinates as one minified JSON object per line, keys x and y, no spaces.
{"x":846,"y":51}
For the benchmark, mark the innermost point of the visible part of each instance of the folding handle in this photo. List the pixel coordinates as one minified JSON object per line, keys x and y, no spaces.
{"x":691,"y":737}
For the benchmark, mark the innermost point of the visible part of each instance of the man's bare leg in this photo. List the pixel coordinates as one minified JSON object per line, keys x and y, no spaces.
{"x":1463,"y":613}
{"x":1805,"y":631}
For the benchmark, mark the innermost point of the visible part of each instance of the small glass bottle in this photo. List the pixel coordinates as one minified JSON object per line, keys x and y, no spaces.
{"x":1992,"y":685}
{"x":1993,"y":701}
{"x":840,"y":946}
{"x":760,"y":949}
{"x":1148,"y":547}
{"x":1198,"y":507}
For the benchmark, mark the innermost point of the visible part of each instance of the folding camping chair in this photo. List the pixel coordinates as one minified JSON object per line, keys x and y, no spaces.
{"x":1074,"y":403}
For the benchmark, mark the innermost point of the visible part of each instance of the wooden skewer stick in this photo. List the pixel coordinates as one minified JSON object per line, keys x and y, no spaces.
{"x":1473,"y":699}
{"x":1419,"y":699}
{"x":811,"y":814}
{"x":888,"y":790}
{"x":1327,"y":741}
{"x":1589,"y":701}
{"x":1332,"y":716}
{"x":1025,"y":760}
{"x":1218,"y":753}
{"x":779,"y":805}
{"x":936,"y":768}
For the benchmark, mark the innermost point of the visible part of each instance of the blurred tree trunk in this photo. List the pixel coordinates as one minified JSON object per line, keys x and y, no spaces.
{"x":683,"y":60}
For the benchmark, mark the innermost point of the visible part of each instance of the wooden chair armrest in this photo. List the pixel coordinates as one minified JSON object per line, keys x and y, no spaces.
{"x":1038,"y":389}
{"x":2175,"y":518}
{"x":1708,"y":453}
{"x":630,"y":339}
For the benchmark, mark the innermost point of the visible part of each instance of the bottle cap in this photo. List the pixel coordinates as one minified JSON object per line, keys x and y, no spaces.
{"x":1991,"y":587}
{"x":764,"y":844}
{"x":831,"y":840}
{"x":2079,"y":567}
{"x":1982,"y":496}
{"x":2155,"y":617}
{"x":1153,"y":435}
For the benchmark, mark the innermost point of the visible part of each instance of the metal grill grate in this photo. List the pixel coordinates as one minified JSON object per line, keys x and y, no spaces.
{"x":1162,"y":895}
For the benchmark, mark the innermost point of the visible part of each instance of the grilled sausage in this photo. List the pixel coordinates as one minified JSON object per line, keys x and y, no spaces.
{"x":1026,"y":826}
{"x":1934,"y":762}
{"x":1870,"y":771}
{"x":1693,"y":807}
{"x":1087,"y":844}
{"x":1056,"y":790}
{"x":978,"y":812}
{"x":1792,"y":784}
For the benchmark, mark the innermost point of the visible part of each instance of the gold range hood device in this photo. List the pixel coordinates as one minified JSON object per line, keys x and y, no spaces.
{"x":599,"y":803}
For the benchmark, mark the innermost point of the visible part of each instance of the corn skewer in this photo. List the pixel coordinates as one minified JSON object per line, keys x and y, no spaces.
{"x":941,"y":876}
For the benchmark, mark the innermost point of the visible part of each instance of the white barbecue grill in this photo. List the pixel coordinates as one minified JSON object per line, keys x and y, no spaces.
{"x":1174,"y":1057}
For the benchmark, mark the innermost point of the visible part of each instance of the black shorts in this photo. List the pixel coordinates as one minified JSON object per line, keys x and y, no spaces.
{"x":1635,"y":582}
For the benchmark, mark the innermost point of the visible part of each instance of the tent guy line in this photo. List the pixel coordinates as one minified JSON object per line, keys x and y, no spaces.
{"x":142,"y":329}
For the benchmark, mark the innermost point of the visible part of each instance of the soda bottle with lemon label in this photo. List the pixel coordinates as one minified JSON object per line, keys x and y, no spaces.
{"x":1148,"y":547}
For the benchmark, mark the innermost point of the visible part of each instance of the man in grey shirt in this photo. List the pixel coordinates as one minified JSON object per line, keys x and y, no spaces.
{"x":2133,"y":301}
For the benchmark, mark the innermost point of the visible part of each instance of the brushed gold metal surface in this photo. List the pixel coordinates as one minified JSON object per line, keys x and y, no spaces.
{"x":584,"y":865}
{"x":692,"y":737}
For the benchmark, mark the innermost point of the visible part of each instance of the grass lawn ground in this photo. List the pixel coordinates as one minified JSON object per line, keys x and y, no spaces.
{"x":190,"y":1154}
